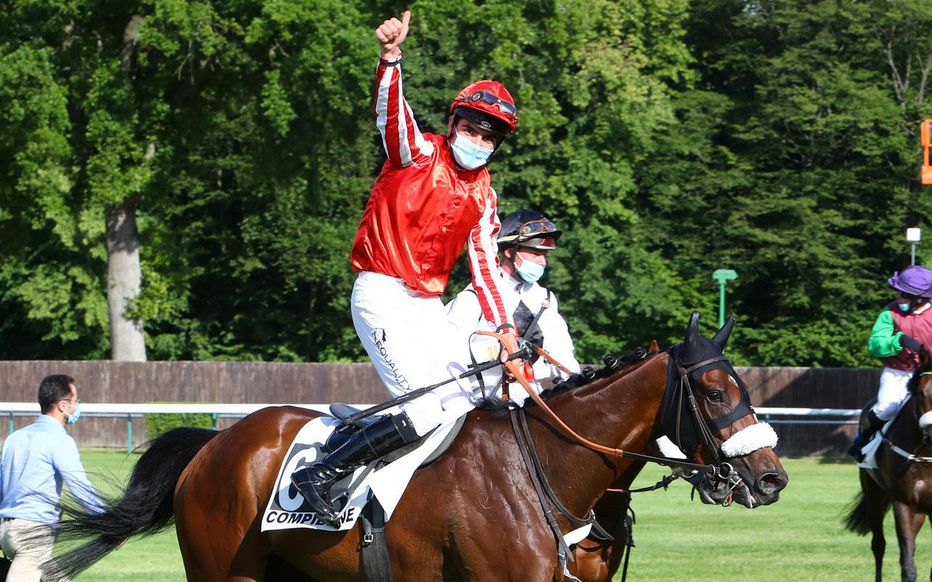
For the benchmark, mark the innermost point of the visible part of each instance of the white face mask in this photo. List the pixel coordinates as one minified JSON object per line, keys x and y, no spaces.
{"x":467,"y":154}
{"x":530,"y":272}
{"x":75,"y":415}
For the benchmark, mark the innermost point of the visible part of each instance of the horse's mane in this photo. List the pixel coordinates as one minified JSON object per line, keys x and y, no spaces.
{"x":613,"y":363}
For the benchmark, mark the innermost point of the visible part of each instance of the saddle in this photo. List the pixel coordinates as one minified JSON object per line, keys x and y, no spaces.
{"x":347,"y":427}
{"x":341,"y":433}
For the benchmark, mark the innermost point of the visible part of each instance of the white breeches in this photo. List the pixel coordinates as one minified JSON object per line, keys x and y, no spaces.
{"x":892,"y":392}
{"x":409,"y":339}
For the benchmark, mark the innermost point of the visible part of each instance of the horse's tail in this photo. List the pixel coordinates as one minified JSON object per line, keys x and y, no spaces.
{"x":144,"y":508}
{"x":856,"y":520}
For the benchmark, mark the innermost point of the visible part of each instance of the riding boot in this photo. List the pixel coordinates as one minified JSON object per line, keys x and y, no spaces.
{"x":364,"y":446}
{"x":870,"y":424}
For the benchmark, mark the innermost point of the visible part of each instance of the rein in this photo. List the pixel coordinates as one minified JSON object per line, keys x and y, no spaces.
{"x":910,"y":457}
{"x":515,"y":369}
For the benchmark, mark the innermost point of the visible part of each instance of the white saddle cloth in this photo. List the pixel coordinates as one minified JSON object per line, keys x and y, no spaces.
{"x":870,"y":449}
{"x":287,"y":509}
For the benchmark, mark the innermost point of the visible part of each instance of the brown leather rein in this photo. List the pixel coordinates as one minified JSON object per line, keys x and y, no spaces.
{"x":510,"y":345}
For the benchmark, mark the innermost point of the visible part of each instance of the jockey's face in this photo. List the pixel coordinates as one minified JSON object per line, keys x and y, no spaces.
{"x":477,"y":135}
{"x":531,"y":255}
{"x":515,"y":257}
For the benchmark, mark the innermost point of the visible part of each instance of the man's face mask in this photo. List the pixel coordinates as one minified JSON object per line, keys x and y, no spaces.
{"x":530,"y":272}
{"x":74,"y":416}
{"x":467,"y":154}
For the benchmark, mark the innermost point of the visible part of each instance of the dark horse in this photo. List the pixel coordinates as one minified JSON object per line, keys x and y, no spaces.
{"x":903,"y":478}
{"x":470,"y":515}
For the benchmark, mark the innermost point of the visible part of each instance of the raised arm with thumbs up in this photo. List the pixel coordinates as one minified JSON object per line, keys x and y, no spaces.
{"x":391,"y":34}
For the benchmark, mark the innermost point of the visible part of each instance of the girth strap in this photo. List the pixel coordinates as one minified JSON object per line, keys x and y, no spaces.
{"x":551,"y":494}
{"x":372,"y":546}
{"x":545,"y":492}
{"x":563,"y":551}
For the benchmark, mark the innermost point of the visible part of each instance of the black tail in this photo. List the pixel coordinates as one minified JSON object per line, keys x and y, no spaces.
{"x":856,"y":520}
{"x":145,"y":507}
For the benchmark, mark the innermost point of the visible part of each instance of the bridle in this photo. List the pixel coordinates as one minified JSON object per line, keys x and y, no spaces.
{"x":723,"y":473}
{"x":682,"y":398}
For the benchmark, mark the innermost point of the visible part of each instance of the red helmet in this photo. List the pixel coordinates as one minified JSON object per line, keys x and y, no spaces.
{"x":488,"y":104}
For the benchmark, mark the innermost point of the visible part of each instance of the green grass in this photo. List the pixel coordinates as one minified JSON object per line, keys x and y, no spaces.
{"x":799,"y":539}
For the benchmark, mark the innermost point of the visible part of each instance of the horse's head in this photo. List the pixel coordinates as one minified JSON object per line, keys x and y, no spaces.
{"x":707,"y":413}
{"x":920,"y":389}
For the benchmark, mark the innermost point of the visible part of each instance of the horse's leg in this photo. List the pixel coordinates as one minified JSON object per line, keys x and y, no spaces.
{"x":207,"y":558}
{"x":908,"y":523}
{"x":876,"y":502}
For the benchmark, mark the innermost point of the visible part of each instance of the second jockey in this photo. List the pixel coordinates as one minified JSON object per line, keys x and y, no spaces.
{"x":526,"y":238}
{"x":900,"y":332}
{"x":432,"y":198}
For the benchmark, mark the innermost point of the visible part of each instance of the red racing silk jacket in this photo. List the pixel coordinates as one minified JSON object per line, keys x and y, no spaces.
{"x":423,"y":209}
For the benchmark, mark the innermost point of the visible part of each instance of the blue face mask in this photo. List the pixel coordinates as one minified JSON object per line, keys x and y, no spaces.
{"x":467,"y":154}
{"x":530,"y":272}
{"x":904,"y":307}
{"x":74,"y":416}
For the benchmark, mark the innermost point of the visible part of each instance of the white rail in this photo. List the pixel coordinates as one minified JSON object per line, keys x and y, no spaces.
{"x":131,"y":411}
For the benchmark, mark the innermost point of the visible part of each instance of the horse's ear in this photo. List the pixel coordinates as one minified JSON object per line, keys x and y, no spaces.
{"x":693,"y":338}
{"x":721,"y":337}
{"x":692,"y":330}
{"x":653,"y":347}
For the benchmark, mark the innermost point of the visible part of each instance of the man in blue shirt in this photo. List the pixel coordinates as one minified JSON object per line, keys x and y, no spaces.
{"x":36,"y":460}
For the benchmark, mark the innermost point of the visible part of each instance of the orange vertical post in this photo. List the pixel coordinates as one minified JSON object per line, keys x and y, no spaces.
{"x":925,"y":137}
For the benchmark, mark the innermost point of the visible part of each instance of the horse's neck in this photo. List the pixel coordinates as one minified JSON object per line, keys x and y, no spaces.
{"x":904,"y":432}
{"x":620,"y":411}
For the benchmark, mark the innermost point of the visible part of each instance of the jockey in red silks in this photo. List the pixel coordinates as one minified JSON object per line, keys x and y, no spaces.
{"x":432,"y":198}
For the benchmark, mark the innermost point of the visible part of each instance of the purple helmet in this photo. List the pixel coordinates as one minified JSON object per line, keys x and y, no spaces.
{"x":913,"y":280}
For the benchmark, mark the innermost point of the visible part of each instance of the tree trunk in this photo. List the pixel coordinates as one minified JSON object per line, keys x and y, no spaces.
{"x":124,"y":277}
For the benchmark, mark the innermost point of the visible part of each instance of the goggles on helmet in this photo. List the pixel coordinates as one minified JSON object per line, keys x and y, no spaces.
{"x":486,"y":97}
{"x":533,"y":227}
{"x":539,"y":234}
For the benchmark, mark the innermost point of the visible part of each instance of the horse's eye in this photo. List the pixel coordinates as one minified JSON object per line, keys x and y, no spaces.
{"x":715,"y":396}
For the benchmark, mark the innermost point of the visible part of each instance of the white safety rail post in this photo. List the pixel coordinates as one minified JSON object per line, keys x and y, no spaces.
{"x":131,"y":411}
{"x":811,"y":415}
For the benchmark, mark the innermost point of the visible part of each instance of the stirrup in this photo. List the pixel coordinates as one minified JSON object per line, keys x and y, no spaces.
{"x":316,"y":499}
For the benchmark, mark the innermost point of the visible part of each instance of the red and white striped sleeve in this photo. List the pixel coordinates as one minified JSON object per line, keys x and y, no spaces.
{"x":401,"y":137}
{"x":487,"y":276}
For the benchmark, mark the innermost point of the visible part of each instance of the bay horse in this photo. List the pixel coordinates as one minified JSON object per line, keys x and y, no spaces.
{"x":903,"y":478}
{"x":472,"y":514}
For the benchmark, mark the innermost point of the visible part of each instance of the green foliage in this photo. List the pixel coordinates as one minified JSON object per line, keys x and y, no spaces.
{"x":668,"y":138}
{"x":158,"y":424}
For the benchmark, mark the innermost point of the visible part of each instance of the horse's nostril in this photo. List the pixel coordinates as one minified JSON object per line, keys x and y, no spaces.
{"x":770,"y":483}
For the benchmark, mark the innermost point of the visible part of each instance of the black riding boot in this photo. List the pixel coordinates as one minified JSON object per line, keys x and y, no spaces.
{"x":870,"y":424}
{"x":368,"y":444}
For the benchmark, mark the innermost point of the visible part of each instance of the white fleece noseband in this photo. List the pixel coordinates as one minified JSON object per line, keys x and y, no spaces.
{"x":925,"y":420}
{"x":749,"y":439}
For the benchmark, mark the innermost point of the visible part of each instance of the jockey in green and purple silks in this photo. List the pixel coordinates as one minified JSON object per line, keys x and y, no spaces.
{"x":902,"y":329}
